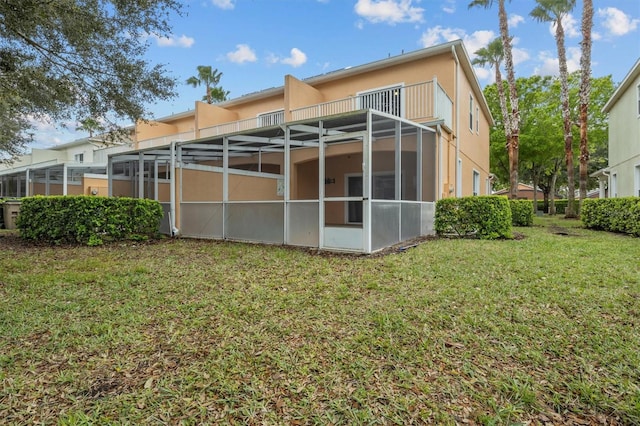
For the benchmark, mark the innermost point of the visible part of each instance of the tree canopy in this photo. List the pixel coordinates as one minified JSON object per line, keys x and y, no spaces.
{"x":78,"y":59}
{"x":542,"y":146}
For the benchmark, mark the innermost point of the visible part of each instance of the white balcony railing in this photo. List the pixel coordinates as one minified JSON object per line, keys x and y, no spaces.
{"x":165,"y":140}
{"x":422,"y":101}
{"x":419,"y":102}
{"x":232,"y":127}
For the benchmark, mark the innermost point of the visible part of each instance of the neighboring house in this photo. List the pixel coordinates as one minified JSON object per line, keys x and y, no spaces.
{"x":525,"y":192}
{"x":349,"y":160}
{"x":74,"y":168}
{"x":623,"y":171}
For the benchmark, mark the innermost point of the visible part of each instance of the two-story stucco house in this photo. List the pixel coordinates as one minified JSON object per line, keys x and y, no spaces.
{"x":349,"y":160}
{"x":73,"y":168}
{"x":623,"y":171}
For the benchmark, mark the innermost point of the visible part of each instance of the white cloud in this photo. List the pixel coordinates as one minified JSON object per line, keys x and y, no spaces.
{"x":515,"y":20}
{"x":438,"y":34}
{"x":519,"y":55}
{"x":478,"y":40}
{"x":617,"y":22}
{"x":484,"y":74}
{"x":224,"y":4}
{"x":549,"y":62}
{"x":173,"y":41}
{"x":569,"y":25}
{"x":296,"y":58}
{"x":242,"y":54}
{"x":48,"y":134}
{"x":449,"y":6}
{"x":472,"y":42}
{"x":389,"y":11}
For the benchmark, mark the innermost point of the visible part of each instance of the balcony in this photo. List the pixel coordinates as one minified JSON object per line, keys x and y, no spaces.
{"x":417,"y":102}
{"x":421,"y":102}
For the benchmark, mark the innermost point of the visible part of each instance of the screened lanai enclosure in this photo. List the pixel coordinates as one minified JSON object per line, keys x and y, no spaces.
{"x":52,"y":178}
{"x":358,"y":182}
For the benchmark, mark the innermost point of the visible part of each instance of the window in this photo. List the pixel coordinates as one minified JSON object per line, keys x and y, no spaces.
{"x":387,"y":100}
{"x":638,"y":100}
{"x":637,"y":180}
{"x":476,"y":183}
{"x":478,"y":120}
{"x":79,"y":158}
{"x":471,"y":112}
{"x":272,"y":118}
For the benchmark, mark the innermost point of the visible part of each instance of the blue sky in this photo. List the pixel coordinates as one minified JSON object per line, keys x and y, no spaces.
{"x":255,"y":43}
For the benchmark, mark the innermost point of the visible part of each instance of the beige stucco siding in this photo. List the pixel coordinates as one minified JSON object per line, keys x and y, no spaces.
{"x":407,"y":73}
{"x":202,"y":186}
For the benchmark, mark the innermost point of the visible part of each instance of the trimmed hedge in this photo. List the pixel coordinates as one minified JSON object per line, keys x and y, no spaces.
{"x":521,"y":212}
{"x":612,"y":214}
{"x":88,"y":220}
{"x":486,"y":217}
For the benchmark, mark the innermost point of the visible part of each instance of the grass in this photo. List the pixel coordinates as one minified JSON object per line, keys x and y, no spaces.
{"x":542,"y":329}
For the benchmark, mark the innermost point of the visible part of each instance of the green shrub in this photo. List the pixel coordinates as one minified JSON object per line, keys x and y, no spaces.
{"x":486,"y":217}
{"x":521,"y":212}
{"x":88,"y":220}
{"x":612,"y":214}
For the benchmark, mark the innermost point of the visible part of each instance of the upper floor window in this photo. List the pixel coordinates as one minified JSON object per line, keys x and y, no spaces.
{"x":477,"y":119}
{"x":471,"y":112}
{"x":387,"y":100}
{"x":79,"y":158}
{"x":638,"y":100}
{"x":271,"y":118}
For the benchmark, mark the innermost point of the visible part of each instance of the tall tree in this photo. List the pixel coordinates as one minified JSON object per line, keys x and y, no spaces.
{"x":70,"y":59}
{"x":585,"y":90}
{"x":209,"y":78}
{"x":513,"y":132}
{"x":493,"y":55}
{"x":541,"y":131}
{"x":554,"y":11}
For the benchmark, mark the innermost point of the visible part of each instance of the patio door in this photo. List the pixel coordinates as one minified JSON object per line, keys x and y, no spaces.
{"x":344,"y":191}
{"x":383,"y":188}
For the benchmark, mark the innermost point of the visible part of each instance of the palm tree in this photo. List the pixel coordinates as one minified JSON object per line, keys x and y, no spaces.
{"x":553,"y":11}
{"x":209,"y":78}
{"x":585,"y":90}
{"x":493,"y":55}
{"x":513,"y":134}
{"x":90,"y":125}
{"x":218,"y":94}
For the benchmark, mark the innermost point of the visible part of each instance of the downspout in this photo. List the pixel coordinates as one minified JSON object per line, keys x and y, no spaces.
{"x":439,"y":180}
{"x":603,"y":193}
{"x":172,"y":191}
{"x":457,"y":91}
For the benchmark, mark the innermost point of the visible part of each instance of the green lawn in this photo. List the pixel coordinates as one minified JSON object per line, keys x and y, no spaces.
{"x":544,"y":328}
